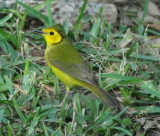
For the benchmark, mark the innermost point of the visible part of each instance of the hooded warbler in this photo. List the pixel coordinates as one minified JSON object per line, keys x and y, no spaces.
{"x":69,"y":66}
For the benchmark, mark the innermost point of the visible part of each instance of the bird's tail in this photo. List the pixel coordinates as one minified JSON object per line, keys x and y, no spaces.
{"x":104,"y":96}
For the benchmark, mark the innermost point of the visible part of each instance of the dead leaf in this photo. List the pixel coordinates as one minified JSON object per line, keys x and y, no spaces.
{"x":149,"y":124}
{"x":141,"y":121}
{"x":152,"y":133}
{"x":140,"y":132}
{"x":153,"y":9}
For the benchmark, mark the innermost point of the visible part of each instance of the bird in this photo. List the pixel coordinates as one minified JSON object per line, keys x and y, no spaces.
{"x":69,"y":66}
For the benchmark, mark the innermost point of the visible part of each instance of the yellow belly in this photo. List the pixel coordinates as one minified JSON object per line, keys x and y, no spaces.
{"x":69,"y":81}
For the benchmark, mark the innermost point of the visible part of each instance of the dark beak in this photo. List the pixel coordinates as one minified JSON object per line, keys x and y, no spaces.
{"x":39,"y":32}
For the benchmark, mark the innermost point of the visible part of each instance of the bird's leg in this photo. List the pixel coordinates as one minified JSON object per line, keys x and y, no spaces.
{"x":66,"y":95}
{"x":64,"y":99}
{"x":68,"y":88}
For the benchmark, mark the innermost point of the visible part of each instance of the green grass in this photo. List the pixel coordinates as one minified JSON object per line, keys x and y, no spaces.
{"x":30,"y":93}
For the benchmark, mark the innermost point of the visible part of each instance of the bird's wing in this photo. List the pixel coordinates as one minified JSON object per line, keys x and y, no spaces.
{"x":67,"y":59}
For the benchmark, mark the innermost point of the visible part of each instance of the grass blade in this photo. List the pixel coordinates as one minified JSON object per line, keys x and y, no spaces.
{"x":35,"y":13}
{"x":81,"y":14}
{"x":124,"y":130}
{"x":5,"y":19}
{"x":26,"y":67}
{"x":49,"y":13}
{"x":34,"y":122}
{"x":148,"y":87}
{"x":10,"y":86}
{"x":122,"y":77}
{"x":145,"y":10}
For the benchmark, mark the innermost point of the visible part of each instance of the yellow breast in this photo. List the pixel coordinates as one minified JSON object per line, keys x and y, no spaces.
{"x":68,"y":80}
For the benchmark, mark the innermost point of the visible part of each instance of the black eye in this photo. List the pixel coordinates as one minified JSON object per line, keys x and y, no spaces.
{"x":51,"y":33}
